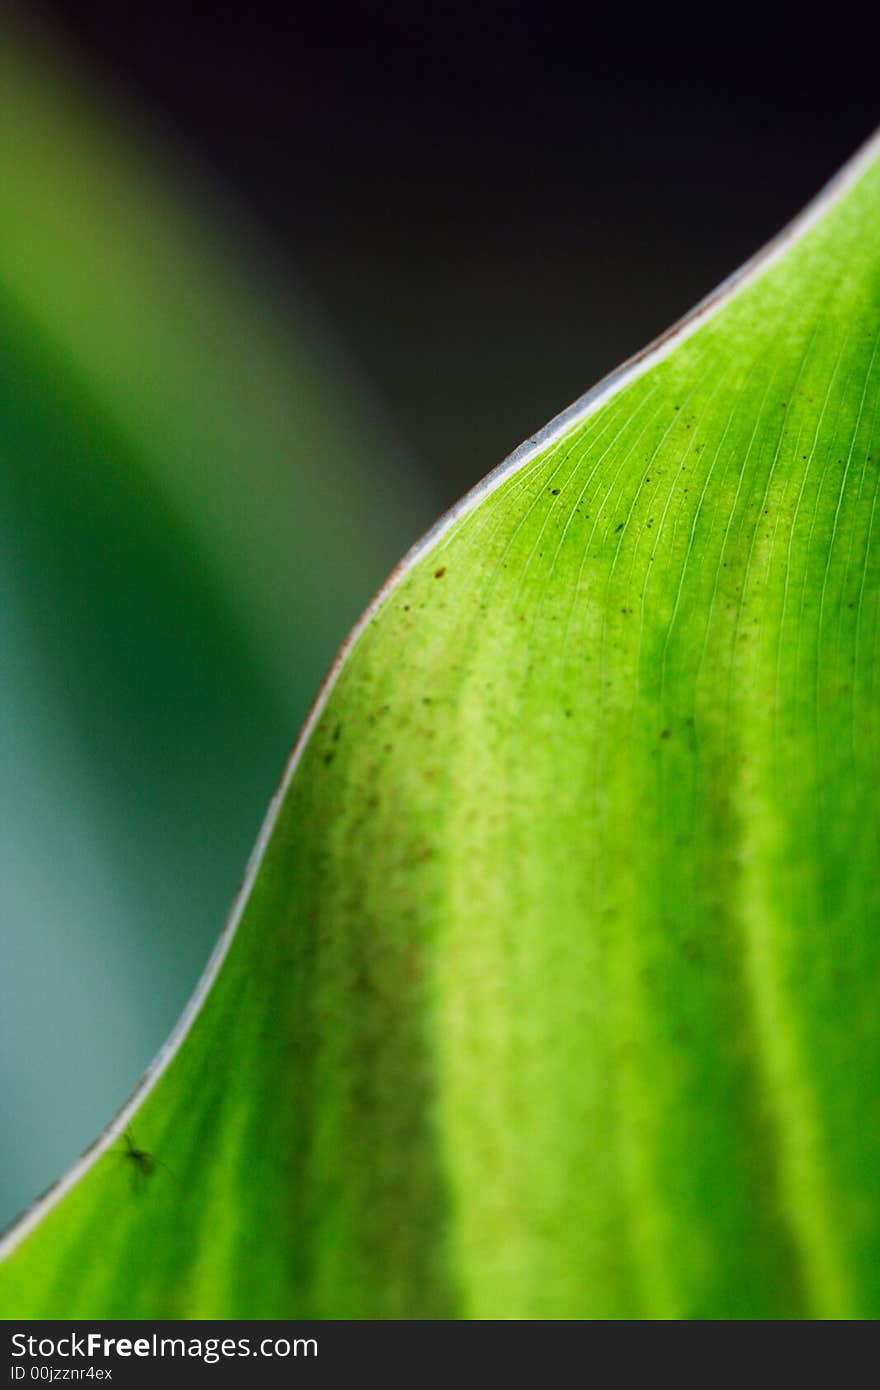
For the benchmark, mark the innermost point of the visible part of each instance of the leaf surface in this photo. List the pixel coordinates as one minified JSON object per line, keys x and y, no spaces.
{"x":552,"y":989}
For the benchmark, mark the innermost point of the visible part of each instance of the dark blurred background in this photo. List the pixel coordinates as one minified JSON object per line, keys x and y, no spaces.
{"x":497,"y":202}
{"x":440,"y":223}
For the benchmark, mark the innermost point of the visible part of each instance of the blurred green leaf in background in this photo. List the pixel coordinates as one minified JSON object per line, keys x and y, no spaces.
{"x":196,"y":492}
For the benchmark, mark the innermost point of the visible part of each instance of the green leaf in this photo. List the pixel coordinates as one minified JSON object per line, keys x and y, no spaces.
{"x":195,"y":493}
{"x":552,"y":988}
{"x":227,"y":387}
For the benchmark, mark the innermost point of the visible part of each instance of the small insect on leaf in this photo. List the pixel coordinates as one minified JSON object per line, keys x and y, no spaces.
{"x":143,"y":1165}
